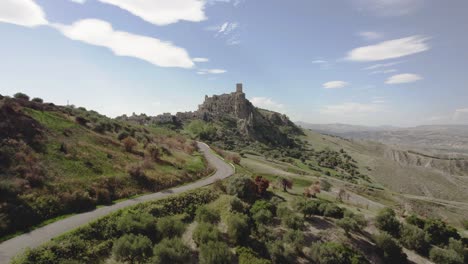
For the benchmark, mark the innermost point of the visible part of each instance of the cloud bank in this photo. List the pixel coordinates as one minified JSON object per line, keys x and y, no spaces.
{"x":403,"y":78}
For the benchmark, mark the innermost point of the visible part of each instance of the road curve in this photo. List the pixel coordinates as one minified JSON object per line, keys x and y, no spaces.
{"x":14,"y":246}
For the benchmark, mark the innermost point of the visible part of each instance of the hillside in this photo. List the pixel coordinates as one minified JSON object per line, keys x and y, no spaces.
{"x":59,"y":160}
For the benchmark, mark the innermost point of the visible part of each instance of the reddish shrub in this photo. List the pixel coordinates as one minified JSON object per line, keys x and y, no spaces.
{"x":262,"y":185}
{"x":129,"y":143}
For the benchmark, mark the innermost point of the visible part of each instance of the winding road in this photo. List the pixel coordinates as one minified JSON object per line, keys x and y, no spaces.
{"x":14,"y":246}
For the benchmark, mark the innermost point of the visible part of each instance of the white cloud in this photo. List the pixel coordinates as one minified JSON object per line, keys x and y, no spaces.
{"x":201,"y":59}
{"x":335,"y":84}
{"x":390,"y":49}
{"x":370,"y":35}
{"x":350,"y":108}
{"x":388,"y":7}
{"x":79,"y":1}
{"x":211,"y":71}
{"x":383,"y":71}
{"x":324,"y":65}
{"x":100,"y":33}
{"x":267,"y":103}
{"x":319,"y":61}
{"x":382,"y":65}
{"x":22,"y":12}
{"x":228,"y":31}
{"x":403,"y":78}
{"x":461,"y":115}
{"x":163,"y":12}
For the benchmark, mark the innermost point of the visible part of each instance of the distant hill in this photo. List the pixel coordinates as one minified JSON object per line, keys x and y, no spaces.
{"x":433,"y":138}
{"x":231,"y":120}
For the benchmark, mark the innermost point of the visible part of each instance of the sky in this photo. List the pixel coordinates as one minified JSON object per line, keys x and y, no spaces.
{"x":364,"y":62}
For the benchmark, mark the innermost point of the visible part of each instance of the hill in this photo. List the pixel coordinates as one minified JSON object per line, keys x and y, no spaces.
{"x":59,"y":160}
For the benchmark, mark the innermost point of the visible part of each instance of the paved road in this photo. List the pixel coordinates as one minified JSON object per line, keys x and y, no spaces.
{"x":14,"y":246}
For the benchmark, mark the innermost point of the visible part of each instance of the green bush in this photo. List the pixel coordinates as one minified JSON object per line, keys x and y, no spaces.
{"x":263,"y":217}
{"x":348,"y":224}
{"x":293,"y":221}
{"x":248,"y":256}
{"x":237,"y":206}
{"x":170,"y":226}
{"x":386,"y":221}
{"x":21,"y":96}
{"x":242,"y":187}
{"x":332,"y":253}
{"x":325,"y":185}
{"x":238,"y":228}
{"x":414,"y":238}
{"x":215,"y":252}
{"x":390,"y":250}
{"x":295,"y":238}
{"x":262,"y":205}
{"x":445,"y":256}
{"x":37,"y":100}
{"x":205,"y":232}
{"x":172,"y":251}
{"x":283,"y":210}
{"x":207,"y":215}
{"x":416,"y":221}
{"x":333,"y":210}
{"x":137,"y":223}
{"x":439,"y":232}
{"x":465,"y":224}
{"x":132,"y":248}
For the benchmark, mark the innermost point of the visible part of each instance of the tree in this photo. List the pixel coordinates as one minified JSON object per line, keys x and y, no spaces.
{"x":331,"y":253}
{"x":242,"y":187}
{"x":37,"y":100}
{"x":412,"y":237}
{"x":171,"y":250}
{"x":262,"y":185}
{"x":170,"y":226}
{"x":390,"y":250}
{"x":207,"y":215}
{"x":325,"y":185}
{"x":386,"y":221}
{"x":205,"y":232}
{"x":132,"y":248}
{"x":285,"y":183}
{"x":348,"y":224}
{"x":21,"y":96}
{"x":440,"y":232}
{"x":445,"y":256}
{"x":238,"y":228}
{"x":312,"y":190}
{"x":141,"y":223}
{"x":215,"y":252}
{"x":129,"y":143}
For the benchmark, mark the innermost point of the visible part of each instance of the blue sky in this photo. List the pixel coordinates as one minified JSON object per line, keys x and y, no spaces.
{"x":368,"y":62}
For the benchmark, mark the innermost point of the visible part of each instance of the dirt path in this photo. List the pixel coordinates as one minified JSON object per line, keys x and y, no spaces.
{"x":16,"y":245}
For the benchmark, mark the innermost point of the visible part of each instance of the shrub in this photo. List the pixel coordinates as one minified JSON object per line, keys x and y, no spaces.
{"x":154,"y":152}
{"x":325,"y":185}
{"x":293,"y":221}
{"x":283,"y":210}
{"x":205,"y":232}
{"x":333,"y":210}
{"x":237,"y":205}
{"x":81,"y":121}
{"x":386,"y":221}
{"x":415,"y":220}
{"x":312,"y":190}
{"x":137,"y":173}
{"x":445,"y":256}
{"x":170,"y":226}
{"x":137,"y":223}
{"x":263,"y":217}
{"x":248,"y":256}
{"x":238,"y":228}
{"x":348,"y":224}
{"x":122,"y":135}
{"x":37,"y":100}
{"x":439,"y":232}
{"x":242,"y":187}
{"x":390,"y":250}
{"x":277,"y":251}
{"x":215,"y":252}
{"x":412,"y":237}
{"x":132,"y":248}
{"x":207,"y":215}
{"x":21,"y":96}
{"x":219,"y":186}
{"x":465,"y":224}
{"x":172,"y":251}
{"x":262,"y":205}
{"x":331,"y":253}
{"x":129,"y":143}
{"x":295,"y":238}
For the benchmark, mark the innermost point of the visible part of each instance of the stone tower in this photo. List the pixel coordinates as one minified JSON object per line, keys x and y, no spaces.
{"x":239,"y":88}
